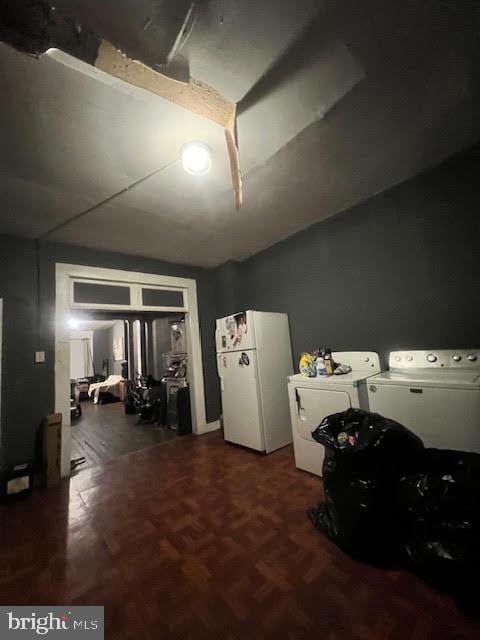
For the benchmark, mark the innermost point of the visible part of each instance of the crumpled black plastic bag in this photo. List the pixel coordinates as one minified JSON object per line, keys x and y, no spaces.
{"x":440,"y":505}
{"x":365,"y":457}
{"x":356,"y":430}
{"x":390,"y":500}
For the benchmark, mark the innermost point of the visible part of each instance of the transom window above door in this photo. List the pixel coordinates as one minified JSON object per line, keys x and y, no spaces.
{"x":102,"y":294}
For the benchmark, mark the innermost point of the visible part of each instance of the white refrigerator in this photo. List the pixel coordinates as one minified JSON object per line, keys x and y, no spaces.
{"x":254,"y":359}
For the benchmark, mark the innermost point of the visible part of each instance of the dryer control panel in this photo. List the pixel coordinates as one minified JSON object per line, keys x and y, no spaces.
{"x":435,"y":359}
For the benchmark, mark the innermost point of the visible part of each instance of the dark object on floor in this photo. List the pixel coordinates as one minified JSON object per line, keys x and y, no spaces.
{"x":84,"y":384}
{"x":16,"y":481}
{"x":441,"y":531}
{"x":77,"y":462}
{"x":75,"y":411}
{"x":184,"y":412}
{"x":365,"y":457}
{"x":178,"y":411}
{"x":105,"y":397}
{"x":130,"y":408}
{"x":151,"y":400}
{"x":146,"y":397}
{"x":75,"y":408}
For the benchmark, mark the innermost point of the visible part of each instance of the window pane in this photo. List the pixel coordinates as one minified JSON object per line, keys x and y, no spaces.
{"x":89,"y":293}
{"x":162,"y":298}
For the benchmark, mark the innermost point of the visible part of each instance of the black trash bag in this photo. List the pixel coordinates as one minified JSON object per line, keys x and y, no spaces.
{"x":365,"y":457}
{"x":441,"y":527}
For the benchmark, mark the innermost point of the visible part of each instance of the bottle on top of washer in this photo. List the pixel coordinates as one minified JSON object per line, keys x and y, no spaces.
{"x":328,"y":361}
{"x":320,"y":364}
{"x":324,"y":362}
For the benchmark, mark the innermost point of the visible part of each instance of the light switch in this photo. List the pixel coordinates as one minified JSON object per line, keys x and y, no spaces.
{"x":39,"y":357}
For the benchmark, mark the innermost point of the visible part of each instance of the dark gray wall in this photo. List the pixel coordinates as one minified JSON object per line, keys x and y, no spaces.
{"x":28,"y":389}
{"x":26,"y":394}
{"x":101,"y":349}
{"x":400,"y":270}
{"x":227,"y":278}
{"x":114,"y":333}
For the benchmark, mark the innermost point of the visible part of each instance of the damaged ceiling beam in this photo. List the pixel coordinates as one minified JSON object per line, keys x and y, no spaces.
{"x":195,"y":96}
{"x":79,"y":29}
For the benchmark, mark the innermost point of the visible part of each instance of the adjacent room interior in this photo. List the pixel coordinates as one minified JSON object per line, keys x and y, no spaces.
{"x":129,"y":385}
{"x":239,"y":346}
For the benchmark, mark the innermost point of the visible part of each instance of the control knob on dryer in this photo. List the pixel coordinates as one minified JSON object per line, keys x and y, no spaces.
{"x":456,"y":357}
{"x":431,"y":357}
{"x":472,"y":357}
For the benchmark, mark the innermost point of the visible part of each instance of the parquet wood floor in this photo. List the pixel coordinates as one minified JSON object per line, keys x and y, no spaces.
{"x":196,"y":539}
{"x":105,"y":432}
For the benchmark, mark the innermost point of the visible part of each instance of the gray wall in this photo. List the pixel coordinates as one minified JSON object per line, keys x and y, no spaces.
{"x":400,"y":270}
{"x":26,"y":394}
{"x":161,"y":344}
{"x":227,"y":278}
{"x":114,"y":333}
{"x":101,"y":349}
{"x":27,"y":285}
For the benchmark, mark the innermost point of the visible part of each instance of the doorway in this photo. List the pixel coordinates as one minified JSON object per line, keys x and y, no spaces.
{"x":129,"y":383}
{"x":90,"y":288}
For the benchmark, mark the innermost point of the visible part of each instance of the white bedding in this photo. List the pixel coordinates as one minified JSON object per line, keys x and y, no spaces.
{"x":110,"y":384}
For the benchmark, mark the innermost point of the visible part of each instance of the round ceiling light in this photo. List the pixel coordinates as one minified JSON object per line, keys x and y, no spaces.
{"x":196,"y":158}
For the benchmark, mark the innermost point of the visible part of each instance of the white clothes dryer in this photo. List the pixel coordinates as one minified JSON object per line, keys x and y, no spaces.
{"x":311,"y":399}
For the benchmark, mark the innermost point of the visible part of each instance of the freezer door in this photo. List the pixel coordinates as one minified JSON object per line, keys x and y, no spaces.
{"x":235,"y":333}
{"x":242,"y":416}
{"x":314,"y":404}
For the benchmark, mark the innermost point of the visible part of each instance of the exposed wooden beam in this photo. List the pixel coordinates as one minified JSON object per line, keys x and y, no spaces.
{"x":195,"y":96}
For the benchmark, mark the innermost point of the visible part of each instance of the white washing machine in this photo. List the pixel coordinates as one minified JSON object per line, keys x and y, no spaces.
{"x":311,"y":399}
{"x":435,"y":394}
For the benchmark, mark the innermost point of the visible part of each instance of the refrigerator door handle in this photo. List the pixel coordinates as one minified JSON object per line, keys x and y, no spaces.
{"x":219,"y":367}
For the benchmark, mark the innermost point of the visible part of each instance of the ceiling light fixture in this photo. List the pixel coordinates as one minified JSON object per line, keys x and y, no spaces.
{"x":73,"y":323}
{"x":196,"y":158}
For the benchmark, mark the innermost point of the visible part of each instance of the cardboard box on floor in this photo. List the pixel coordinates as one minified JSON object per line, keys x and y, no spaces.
{"x":52,"y":449}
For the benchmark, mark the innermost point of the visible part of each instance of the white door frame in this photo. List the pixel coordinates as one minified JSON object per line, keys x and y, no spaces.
{"x":64,"y":305}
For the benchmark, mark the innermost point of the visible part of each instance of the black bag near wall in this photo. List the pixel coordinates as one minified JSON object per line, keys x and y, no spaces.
{"x":389,"y":499}
{"x":440,"y":505}
{"x":366,"y":455}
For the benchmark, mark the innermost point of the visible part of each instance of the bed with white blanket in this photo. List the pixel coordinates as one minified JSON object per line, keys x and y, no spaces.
{"x":111,"y":384}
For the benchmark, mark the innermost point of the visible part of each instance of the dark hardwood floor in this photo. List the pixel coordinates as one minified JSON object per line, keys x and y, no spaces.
{"x":105,"y":432}
{"x":198,"y":539}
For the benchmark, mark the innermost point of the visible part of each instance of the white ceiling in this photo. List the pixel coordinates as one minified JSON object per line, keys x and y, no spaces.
{"x":236,"y":42}
{"x":73,"y":136}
